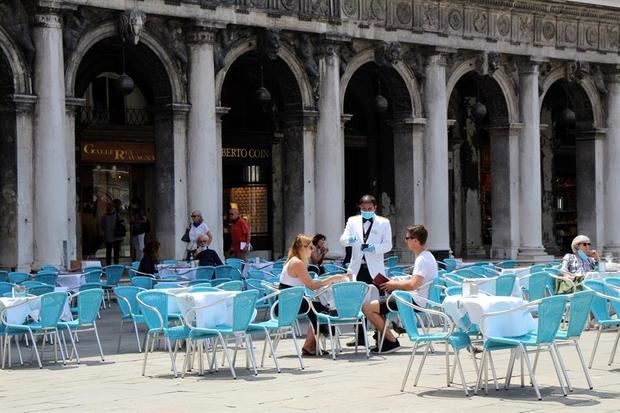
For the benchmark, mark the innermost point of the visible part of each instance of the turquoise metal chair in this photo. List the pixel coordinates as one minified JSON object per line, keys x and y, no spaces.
{"x":49,"y":267}
{"x":88,"y":304}
{"x":205,"y":273}
{"x":90,"y":286}
{"x":504,"y":285}
{"x":166,"y":284}
{"x":449,"y":264}
{"x":135,"y":265}
{"x":154,"y":308}
{"x":202,"y":288}
{"x":4,"y":276}
{"x":263,"y":292}
{"x":277,"y":266}
{"x":113,"y":275}
{"x":333,"y":268}
{"x":18,"y":277}
{"x":6,"y":287}
{"x":243,"y":310}
{"x":51,"y":309}
{"x":46,"y":277}
{"x":217,"y":282}
{"x":454,"y":291}
{"x":40,"y":289}
{"x":508,"y":264}
{"x":30,"y":284}
{"x":550,"y":312}
{"x":227,"y":271}
{"x":454,"y":340}
{"x":234,"y":285}
{"x":143,"y":282}
{"x":130,"y":311}
{"x":349,"y":298}
{"x":606,"y":298}
{"x":93,"y":275}
{"x":259,"y":275}
{"x":198,"y":282}
{"x":537,"y":285}
{"x":391,"y":261}
{"x":281,"y":324}
{"x":235,"y":262}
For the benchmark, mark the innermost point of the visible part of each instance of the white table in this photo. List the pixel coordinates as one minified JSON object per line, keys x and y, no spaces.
{"x":261,"y":266}
{"x":176,"y":272}
{"x":509,"y":325}
{"x":596,"y":275}
{"x":218,"y":312}
{"x":71,"y":281}
{"x":489,"y":285}
{"x":18,"y":309}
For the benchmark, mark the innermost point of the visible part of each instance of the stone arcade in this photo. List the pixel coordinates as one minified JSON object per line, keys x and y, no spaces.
{"x":494,"y":122}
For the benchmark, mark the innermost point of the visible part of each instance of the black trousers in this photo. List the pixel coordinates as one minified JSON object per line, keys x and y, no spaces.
{"x":363,"y":276}
{"x":109,"y":246}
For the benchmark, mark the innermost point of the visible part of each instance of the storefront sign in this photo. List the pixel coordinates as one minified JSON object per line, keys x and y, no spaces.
{"x":118,"y":152}
{"x":246,"y":153}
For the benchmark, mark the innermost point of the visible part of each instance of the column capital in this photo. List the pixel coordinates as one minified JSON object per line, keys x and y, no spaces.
{"x":20,"y":103}
{"x":203,"y":31}
{"x":220,"y":111}
{"x":48,"y":20}
{"x":344,"y":118}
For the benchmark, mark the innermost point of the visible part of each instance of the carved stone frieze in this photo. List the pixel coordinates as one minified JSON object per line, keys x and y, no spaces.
{"x":131,"y":24}
{"x":387,"y":54}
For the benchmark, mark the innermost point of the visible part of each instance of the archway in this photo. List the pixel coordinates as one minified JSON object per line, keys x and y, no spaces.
{"x":263,"y":139}
{"x":480,"y":224}
{"x":568,"y":164}
{"x":125,"y":141}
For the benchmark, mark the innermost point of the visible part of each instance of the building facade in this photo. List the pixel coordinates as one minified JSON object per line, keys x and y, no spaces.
{"x":495,"y":123}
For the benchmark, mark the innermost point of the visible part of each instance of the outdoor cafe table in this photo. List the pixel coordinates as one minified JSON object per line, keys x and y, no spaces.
{"x":219,"y":310}
{"x":175,"y":272}
{"x":17,"y":313}
{"x":488,"y":285}
{"x":71,"y":281}
{"x":513,"y":324}
{"x":253,"y":265}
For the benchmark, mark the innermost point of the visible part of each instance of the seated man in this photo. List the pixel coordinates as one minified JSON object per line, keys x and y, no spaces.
{"x":204,"y":255}
{"x":424,"y":271}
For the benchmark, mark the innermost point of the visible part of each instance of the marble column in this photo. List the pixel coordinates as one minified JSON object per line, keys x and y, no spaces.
{"x":530,"y":192}
{"x":179,"y":127}
{"x":329,"y":151}
{"x":590,"y":151}
{"x":505,"y":191}
{"x":204,"y":145}
{"x":51,"y":214}
{"x":408,"y":179}
{"x":74,"y":228}
{"x":436,"y":184}
{"x":612,"y":166}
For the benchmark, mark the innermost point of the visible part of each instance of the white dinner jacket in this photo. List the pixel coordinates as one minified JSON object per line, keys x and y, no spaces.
{"x":380,"y":236}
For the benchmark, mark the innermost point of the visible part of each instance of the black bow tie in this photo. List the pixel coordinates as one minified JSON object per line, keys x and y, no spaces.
{"x":364,"y":220}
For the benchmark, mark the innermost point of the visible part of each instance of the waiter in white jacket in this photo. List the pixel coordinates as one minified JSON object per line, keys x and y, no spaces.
{"x":370,"y":237}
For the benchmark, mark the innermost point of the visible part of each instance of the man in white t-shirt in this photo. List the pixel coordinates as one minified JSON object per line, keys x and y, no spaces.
{"x":424,"y":271}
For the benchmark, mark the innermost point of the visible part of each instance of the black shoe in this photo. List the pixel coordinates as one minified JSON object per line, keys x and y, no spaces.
{"x":388,"y":347}
{"x":361,"y":341}
{"x":398,"y":329}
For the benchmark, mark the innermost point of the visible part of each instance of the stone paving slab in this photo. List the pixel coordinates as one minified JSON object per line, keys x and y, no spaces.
{"x":350,"y":383}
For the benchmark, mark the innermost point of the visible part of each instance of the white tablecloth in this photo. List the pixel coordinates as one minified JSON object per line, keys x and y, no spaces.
{"x":508,"y":325}
{"x":71,"y":281}
{"x":219,"y":312}
{"x":600,"y":275}
{"x":262,"y":266}
{"x":489,"y":285}
{"x":18,"y":309}
{"x":176,"y":272}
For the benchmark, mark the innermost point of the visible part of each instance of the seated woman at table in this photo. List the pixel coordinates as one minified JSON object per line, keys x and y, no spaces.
{"x":575,"y":266}
{"x":295,"y":274}
{"x":319,"y":250}
{"x":150,"y":258}
{"x":204,"y":255}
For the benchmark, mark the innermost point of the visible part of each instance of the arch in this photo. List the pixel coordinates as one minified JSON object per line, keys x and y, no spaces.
{"x":285,"y":53}
{"x":21,"y":80}
{"x":589,"y":87}
{"x":106,"y":30}
{"x":368,"y":55}
{"x":503,"y":81}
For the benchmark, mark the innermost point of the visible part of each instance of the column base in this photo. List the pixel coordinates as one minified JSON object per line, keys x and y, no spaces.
{"x":504,"y":253}
{"x":611,"y":249}
{"x":534,"y":254}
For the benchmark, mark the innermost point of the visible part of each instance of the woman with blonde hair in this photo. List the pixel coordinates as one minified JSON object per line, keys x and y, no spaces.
{"x":295,"y":274}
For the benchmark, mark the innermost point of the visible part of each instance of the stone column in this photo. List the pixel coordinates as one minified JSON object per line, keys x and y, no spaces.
{"x":436,"y":184}
{"x":408,"y":179}
{"x":74,"y":227}
{"x":204,"y":145}
{"x":530,"y":204}
{"x":179,"y":128}
{"x":218,"y":241}
{"x":163,"y":220}
{"x":590,"y":151}
{"x":51,"y":214}
{"x":612,"y":166}
{"x":329,"y":150}
{"x":505,"y":191}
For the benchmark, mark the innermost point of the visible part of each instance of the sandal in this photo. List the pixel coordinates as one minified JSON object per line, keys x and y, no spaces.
{"x":309,"y":353}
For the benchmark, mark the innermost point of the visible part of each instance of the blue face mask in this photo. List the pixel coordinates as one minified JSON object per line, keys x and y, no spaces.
{"x":368,"y":214}
{"x":582,"y":255}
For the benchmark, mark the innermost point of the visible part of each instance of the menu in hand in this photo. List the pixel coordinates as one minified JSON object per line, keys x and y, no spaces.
{"x":379,"y":280}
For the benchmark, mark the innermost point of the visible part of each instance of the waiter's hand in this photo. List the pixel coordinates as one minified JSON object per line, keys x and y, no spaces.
{"x":369,"y":248}
{"x":390,"y":286}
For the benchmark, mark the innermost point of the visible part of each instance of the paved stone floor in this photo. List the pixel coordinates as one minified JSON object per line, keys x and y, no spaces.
{"x":351,"y":383}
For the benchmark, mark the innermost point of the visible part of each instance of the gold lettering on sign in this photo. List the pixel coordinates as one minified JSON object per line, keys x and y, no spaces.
{"x":246,"y":153}
{"x":118,"y":152}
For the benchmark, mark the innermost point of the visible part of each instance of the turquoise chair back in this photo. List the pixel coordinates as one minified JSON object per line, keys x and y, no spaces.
{"x":5,"y":287}
{"x":333,"y":268}
{"x":154,"y":308}
{"x":88,"y":304}
{"x":257,"y":285}
{"x":227,"y":271}
{"x":40,"y":289}
{"x":613,"y":282}
{"x":507,"y":264}
{"x":470,"y":272}
{"x":200,"y":288}
{"x":90,"y":286}
{"x":169,"y":262}
{"x":436,"y":289}
{"x":161,"y":285}
{"x":289,"y":302}
{"x":52,"y":306}
{"x":537,"y":268}
{"x":391,"y":261}
{"x":504,"y":284}
{"x":135,"y":265}
{"x":349,"y":297}
{"x":599,"y":307}
{"x":49,"y":267}
{"x":113,"y":274}
{"x":18,"y":277}
{"x":93,"y":275}
{"x":243,"y":309}
{"x":550,"y":313}
{"x":407,"y":314}
{"x":538,"y":285}
{"x":199,"y":282}
{"x":129,"y":293}
{"x":234,"y":285}
{"x":46,"y":277}
{"x":142,"y":282}
{"x":235,"y":262}
{"x":256,"y":275}
{"x":580,"y":304}
{"x":276,"y":269}
{"x":217,"y":282}
{"x":4,"y":276}
{"x":30,"y":284}
{"x":205,"y":272}
{"x":455,"y":290}
{"x":450,"y":264}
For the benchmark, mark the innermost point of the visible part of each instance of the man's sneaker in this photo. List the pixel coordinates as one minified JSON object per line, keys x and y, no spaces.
{"x":388,"y":347}
{"x":352,"y":342}
{"x":398,"y":328}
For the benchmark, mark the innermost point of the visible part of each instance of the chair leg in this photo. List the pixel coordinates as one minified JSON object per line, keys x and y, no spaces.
{"x":230,"y":365}
{"x":613,"y":350}
{"x":480,"y":372}
{"x":273,"y":350}
{"x":447,"y":364}
{"x":598,"y":336}
{"x":556,"y":366}
{"x":493,"y":371}
{"x":120,"y":334}
{"x":74,"y":348}
{"x":458,"y":363}
{"x":415,"y":347}
{"x":511,"y":364}
{"x":417,"y":377}
{"x":583,"y":364}
{"x":562,"y":366}
{"x":365,"y":338}
{"x":135,"y":329}
{"x":172,"y":360}
{"x":530,"y":370}
{"x":19,"y":351}
{"x":146,"y":353}
{"x":186,"y":361}
{"x":262,"y":359}
{"x":331,"y":339}
{"x":98,"y":340}
{"x":250,"y":352}
{"x":301,"y":360}
{"x":62,"y":352}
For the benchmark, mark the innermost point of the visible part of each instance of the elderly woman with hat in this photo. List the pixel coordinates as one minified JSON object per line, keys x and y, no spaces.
{"x":575,"y":266}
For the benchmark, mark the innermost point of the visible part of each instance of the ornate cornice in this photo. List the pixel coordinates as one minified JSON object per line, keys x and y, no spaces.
{"x":48,"y":20}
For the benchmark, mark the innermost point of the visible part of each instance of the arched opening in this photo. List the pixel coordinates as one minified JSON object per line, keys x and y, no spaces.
{"x":567,"y":164}
{"x":262,"y":150}
{"x":377,"y":99}
{"x":123,"y":143}
{"x":477,"y":108}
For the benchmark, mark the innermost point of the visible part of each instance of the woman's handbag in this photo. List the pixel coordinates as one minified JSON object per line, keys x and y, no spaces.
{"x":185,"y":237}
